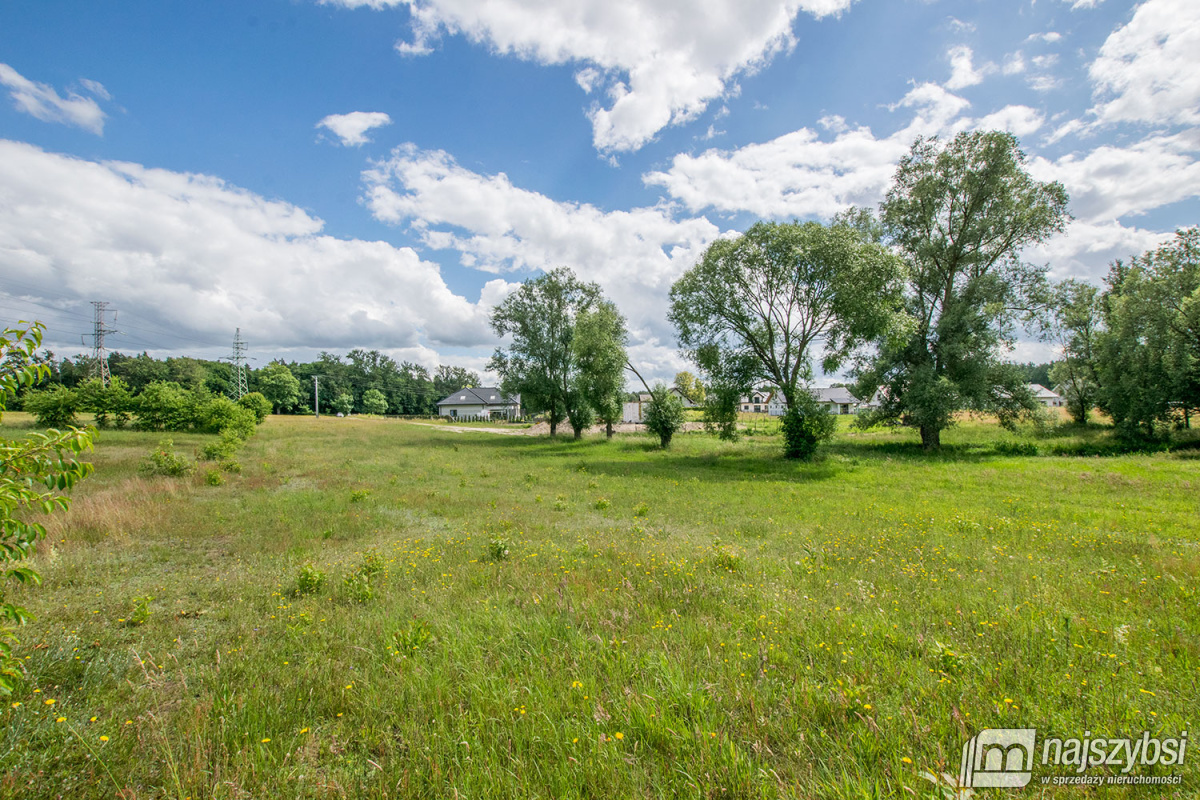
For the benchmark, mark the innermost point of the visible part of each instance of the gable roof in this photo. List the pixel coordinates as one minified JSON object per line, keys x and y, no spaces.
{"x":479,"y":395}
{"x":1042,"y":393}
{"x":835,"y":394}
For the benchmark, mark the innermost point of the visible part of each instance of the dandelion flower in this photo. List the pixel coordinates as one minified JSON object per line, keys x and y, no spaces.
{"x":618,"y":735}
{"x":264,"y":741}
{"x":104,"y":738}
{"x":906,"y":760}
{"x":61,"y":719}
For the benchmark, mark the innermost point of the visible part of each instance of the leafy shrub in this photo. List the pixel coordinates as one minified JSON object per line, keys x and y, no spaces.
{"x":343,"y":403}
{"x":214,"y":477}
{"x":358,"y":495}
{"x":372,"y":564}
{"x":231,"y":466}
{"x":223,"y":448}
{"x":55,"y":407}
{"x":357,"y":587}
{"x":256,"y":404}
{"x":602,"y":503}
{"x":310,"y":580}
{"x":165,"y":406}
{"x":641,"y":510}
{"x":109,"y":405}
{"x":805,"y":425}
{"x":663,"y":415}
{"x":163,"y":460}
{"x":497,"y":549}
{"x":220,"y":414}
{"x":32,"y":472}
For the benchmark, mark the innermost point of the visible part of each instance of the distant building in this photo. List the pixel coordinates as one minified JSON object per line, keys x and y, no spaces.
{"x":1047,"y":397}
{"x":835,"y":399}
{"x":757,"y":401}
{"x":483,"y":401}
{"x":632,"y":411}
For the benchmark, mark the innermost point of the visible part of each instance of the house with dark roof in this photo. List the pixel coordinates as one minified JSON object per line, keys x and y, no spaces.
{"x":835,"y":399}
{"x":480,"y":401}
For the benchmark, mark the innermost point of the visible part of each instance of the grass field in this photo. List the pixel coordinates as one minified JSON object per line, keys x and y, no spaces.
{"x":558,"y":619}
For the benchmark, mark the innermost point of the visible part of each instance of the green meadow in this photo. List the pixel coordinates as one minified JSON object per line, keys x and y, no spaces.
{"x":373,"y":608}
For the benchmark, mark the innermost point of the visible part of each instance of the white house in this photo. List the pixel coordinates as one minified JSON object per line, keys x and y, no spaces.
{"x":482,"y":401}
{"x":1047,"y":397}
{"x":836,"y":399}
{"x":757,"y":401}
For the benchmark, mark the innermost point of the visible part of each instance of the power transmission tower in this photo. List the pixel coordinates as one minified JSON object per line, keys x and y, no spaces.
{"x":99,"y":351}
{"x":239,"y":365}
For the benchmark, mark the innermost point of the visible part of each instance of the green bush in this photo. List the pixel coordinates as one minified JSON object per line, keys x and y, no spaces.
{"x":223,"y":448}
{"x":220,"y":414}
{"x":310,"y":580}
{"x":55,"y":407}
{"x":214,"y":477}
{"x":112,"y":404}
{"x":664,"y":414}
{"x":805,"y":425}
{"x":163,"y":460}
{"x":256,"y":404}
{"x":165,"y":406}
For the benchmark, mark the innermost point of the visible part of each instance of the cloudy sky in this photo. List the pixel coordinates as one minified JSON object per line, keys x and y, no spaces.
{"x":330,"y":174}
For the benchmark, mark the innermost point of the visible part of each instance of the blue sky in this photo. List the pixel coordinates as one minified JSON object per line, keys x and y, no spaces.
{"x":379,"y":173}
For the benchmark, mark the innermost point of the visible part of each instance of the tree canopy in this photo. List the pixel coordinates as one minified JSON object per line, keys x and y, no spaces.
{"x":771,"y":295}
{"x":960,"y":214}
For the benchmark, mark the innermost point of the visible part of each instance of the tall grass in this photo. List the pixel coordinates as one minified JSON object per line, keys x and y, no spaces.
{"x":727,"y":624}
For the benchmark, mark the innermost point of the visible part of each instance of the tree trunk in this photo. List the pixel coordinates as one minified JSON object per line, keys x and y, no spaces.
{"x":608,"y":431}
{"x":553,"y":427}
{"x":578,"y":434}
{"x":931,"y":438}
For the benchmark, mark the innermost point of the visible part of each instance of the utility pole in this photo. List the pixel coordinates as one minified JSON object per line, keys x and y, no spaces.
{"x":317,"y":395}
{"x":99,"y":352}
{"x":239,"y":365}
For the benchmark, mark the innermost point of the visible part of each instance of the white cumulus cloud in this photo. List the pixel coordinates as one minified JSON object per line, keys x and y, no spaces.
{"x":44,"y":102}
{"x":193,"y":254}
{"x":352,"y":128}
{"x":800,"y":175}
{"x":634,"y":255}
{"x":660,"y":62}
{"x":963,"y":73}
{"x":1147,"y":69}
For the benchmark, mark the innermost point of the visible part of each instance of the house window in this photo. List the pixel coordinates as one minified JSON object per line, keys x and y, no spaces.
{"x":454,"y":412}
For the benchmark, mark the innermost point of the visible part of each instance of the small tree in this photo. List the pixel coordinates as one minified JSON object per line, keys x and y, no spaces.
{"x":599,"y":349}
{"x":374,"y":402}
{"x":343,"y":403}
{"x":279,"y":386}
{"x":729,"y":375}
{"x":110,"y":404}
{"x":690,"y":387}
{"x":778,"y":290}
{"x":1073,"y":323}
{"x":663,"y":414}
{"x":26,"y":466}
{"x":540,"y":363}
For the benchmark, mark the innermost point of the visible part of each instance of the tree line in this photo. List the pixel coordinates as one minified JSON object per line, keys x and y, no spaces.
{"x":363,"y":381}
